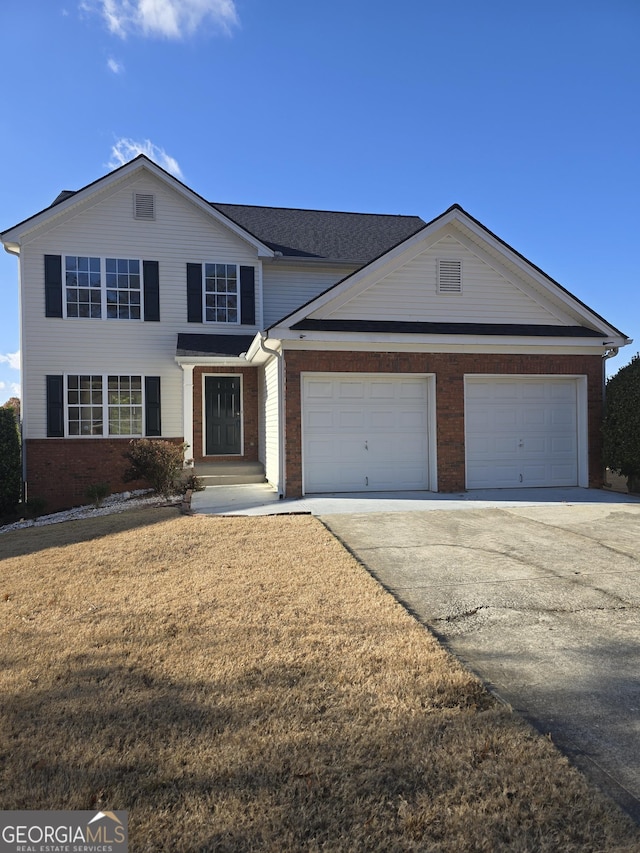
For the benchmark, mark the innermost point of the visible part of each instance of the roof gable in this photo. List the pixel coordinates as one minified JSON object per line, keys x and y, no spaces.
{"x":500,"y":288}
{"x":70,"y":202}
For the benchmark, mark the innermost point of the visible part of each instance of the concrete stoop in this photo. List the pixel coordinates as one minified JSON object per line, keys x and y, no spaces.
{"x":229,"y":473}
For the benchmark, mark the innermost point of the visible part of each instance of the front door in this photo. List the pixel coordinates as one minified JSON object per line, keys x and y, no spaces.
{"x":222,"y":415}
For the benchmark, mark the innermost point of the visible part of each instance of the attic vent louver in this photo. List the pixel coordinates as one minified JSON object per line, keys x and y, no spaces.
{"x":144,"y":206}
{"x":449,"y":276}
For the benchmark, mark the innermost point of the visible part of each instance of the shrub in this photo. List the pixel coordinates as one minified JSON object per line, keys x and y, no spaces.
{"x":10,"y":462}
{"x":97,"y":492}
{"x":158,"y":462}
{"x":621,"y":428}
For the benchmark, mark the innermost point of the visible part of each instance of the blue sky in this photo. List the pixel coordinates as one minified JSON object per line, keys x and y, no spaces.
{"x":527,"y":114}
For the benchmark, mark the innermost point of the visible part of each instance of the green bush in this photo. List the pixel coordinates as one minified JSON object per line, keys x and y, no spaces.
{"x":158,"y":462}
{"x":621,"y":428}
{"x":97,"y":492}
{"x":10,"y":462}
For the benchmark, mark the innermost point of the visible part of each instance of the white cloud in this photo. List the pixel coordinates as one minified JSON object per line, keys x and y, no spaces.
{"x":12,"y":359}
{"x":126,"y":149}
{"x":8,"y":390}
{"x":114,"y":65}
{"x":172,"y":19}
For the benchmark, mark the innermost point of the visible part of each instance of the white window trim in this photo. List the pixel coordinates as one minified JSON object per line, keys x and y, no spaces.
{"x":103,"y":289}
{"x":105,"y":406}
{"x":222,"y":323}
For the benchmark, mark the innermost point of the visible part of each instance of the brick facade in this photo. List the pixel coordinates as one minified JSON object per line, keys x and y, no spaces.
{"x":60,"y":470}
{"x":449,"y":370}
{"x":249,"y":409}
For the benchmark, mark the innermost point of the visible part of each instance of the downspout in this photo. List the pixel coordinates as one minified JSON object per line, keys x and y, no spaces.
{"x":14,"y":249}
{"x":610,"y":352}
{"x":281,"y":418}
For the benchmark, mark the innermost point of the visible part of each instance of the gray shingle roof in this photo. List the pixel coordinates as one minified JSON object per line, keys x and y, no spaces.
{"x":198,"y":344}
{"x":331,"y":235}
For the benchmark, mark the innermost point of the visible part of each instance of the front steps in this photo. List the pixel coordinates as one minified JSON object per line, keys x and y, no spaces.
{"x":229,"y":473}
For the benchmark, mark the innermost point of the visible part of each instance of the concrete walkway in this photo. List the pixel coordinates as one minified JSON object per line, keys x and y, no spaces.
{"x":261,"y":499}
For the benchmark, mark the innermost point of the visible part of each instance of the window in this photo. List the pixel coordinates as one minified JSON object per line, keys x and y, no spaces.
{"x":124,"y":400}
{"x":123,"y":288}
{"x":103,"y":287}
{"x":83,"y":285}
{"x":221,"y":293}
{"x":91,"y":411}
{"x":84,"y":405}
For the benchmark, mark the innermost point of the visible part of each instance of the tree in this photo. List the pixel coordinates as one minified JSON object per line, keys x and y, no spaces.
{"x":10,"y":462}
{"x":13,"y":403}
{"x":621,"y":428}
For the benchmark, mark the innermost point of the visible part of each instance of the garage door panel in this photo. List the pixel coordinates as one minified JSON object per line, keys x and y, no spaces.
{"x":371,"y":434}
{"x":531,"y":442}
{"x":320,"y":419}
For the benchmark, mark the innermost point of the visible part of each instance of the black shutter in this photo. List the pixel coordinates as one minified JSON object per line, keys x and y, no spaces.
{"x":52,"y":286}
{"x":55,"y":407}
{"x":151,"y":290}
{"x":194,"y":293}
{"x":248,"y":295}
{"x":153,"y":426}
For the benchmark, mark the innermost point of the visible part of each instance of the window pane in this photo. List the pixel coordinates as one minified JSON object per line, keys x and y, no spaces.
{"x":125,"y":405}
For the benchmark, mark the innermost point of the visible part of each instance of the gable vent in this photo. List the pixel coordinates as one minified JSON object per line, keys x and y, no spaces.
{"x":449,"y":276}
{"x":144,"y":206}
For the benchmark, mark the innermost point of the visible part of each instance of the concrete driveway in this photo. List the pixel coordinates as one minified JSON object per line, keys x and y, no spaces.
{"x":541,"y":601}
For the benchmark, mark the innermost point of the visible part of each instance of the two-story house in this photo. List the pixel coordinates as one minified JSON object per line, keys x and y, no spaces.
{"x":342,"y":351}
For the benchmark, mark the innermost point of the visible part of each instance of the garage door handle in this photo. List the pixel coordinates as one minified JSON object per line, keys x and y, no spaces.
{"x":366,"y":445}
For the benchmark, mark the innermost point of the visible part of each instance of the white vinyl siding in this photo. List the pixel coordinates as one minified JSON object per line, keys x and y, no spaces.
{"x":180,"y":234}
{"x":270,"y":417}
{"x":287,"y":288}
{"x":410,"y":293}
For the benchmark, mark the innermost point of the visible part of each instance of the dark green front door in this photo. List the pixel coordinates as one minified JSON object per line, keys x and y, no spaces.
{"x":222,"y":412}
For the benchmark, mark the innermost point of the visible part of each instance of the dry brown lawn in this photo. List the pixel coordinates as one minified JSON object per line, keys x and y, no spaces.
{"x":243,"y":684}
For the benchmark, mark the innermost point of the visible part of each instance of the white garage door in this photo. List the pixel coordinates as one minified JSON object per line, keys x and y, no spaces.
{"x":364,"y":433}
{"x":521,"y":432}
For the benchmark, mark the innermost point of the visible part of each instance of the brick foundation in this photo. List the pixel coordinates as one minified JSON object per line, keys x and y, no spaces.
{"x":59,"y":470}
{"x":249,"y":408}
{"x":449,"y":370}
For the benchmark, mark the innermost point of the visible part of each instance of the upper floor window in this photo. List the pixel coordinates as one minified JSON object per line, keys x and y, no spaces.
{"x":221,"y":293}
{"x":123,"y":288}
{"x":101,"y":288}
{"x":84,"y":286}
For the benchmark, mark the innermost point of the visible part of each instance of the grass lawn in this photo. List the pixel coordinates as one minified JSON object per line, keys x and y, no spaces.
{"x":243,"y":684}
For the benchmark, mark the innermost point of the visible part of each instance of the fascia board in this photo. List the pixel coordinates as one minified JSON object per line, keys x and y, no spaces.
{"x":198,"y":360}
{"x":315,"y":340}
{"x":18,"y":232}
